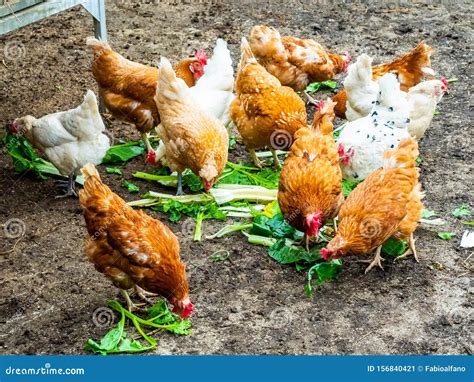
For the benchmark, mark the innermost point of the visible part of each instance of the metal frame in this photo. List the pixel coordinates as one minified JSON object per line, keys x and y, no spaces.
{"x":36,"y":12}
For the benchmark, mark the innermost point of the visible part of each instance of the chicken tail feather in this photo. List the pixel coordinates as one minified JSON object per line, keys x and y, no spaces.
{"x":169,"y":86}
{"x":96,"y":45}
{"x":247,"y":54}
{"x":404,"y":156}
{"x":88,"y":171}
{"x":324,"y":117}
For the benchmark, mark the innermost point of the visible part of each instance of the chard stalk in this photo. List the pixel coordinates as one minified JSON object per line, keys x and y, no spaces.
{"x":259,"y":240}
{"x":198,"y":228}
{"x":229,"y":229}
{"x":165,"y":180}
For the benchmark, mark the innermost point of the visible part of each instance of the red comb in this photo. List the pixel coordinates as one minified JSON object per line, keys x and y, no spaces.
{"x":325,"y":253}
{"x":445,"y":83}
{"x":151,"y":157}
{"x":320,"y":105}
{"x":202,"y":57}
{"x":188,"y":310}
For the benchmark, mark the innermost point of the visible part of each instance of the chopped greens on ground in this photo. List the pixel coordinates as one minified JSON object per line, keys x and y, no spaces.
{"x":116,"y":340}
{"x":316,"y":86}
{"x":113,"y":170}
{"x":130,"y":186}
{"x":461,"y":211}
{"x":446,"y":235}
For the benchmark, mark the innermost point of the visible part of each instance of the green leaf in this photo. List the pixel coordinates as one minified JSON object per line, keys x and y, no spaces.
{"x":325,"y":271}
{"x":124,"y":152}
{"x":461,"y":211}
{"x":394,"y":247}
{"x":446,"y":235}
{"x":25,"y":158}
{"x":130,"y":186}
{"x":316,"y":86}
{"x":285,"y":252}
{"x":426,"y":214}
{"x":468,"y":223}
{"x":348,"y":186}
{"x":113,"y":170}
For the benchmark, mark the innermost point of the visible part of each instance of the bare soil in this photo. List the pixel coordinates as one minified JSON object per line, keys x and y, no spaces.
{"x":250,"y":304}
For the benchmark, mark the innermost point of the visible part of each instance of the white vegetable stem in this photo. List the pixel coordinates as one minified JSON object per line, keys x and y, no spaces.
{"x":226,"y":193}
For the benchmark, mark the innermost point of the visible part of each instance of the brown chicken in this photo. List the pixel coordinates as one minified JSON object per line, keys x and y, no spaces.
{"x":190,"y":138}
{"x":128,"y":88}
{"x":386,"y":204}
{"x":408,"y":68}
{"x":131,"y":248}
{"x":266,"y":113}
{"x":295,"y":62}
{"x":310,"y":187}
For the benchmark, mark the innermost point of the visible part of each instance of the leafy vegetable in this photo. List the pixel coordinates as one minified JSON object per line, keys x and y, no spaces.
{"x":113,"y":170}
{"x":123,"y":152}
{"x":394,"y":247}
{"x":130,"y":186}
{"x":324,"y":271}
{"x":348,"y":186}
{"x":116,"y":341}
{"x":25,"y":158}
{"x":468,"y":223}
{"x":446,"y":235}
{"x":316,"y":86}
{"x":461,"y":211}
{"x":426,"y":214}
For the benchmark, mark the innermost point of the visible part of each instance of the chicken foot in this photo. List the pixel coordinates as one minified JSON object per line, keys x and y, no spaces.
{"x":130,"y":304}
{"x":143,"y":294}
{"x":410,"y":251}
{"x":258,"y":163}
{"x":180,"y":192}
{"x":69,"y":185}
{"x":377,"y":260}
{"x":276,"y":161}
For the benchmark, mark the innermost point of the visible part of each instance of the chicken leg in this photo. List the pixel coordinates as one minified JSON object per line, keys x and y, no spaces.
{"x":180,"y":192}
{"x":69,"y":185}
{"x":276,"y":161}
{"x":410,"y":251}
{"x":130,"y":304}
{"x":147,"y":142}
{"x":377,"y":260}
{"x":143,"y":294}
{"x":258,"y":163}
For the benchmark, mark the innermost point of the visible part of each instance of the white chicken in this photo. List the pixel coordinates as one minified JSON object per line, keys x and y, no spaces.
{"x":214,"y":90}
{"x":423,"y":99}
{"x":362,"y":142}
{"x":69,"y":139}
{"x":362,"y":91}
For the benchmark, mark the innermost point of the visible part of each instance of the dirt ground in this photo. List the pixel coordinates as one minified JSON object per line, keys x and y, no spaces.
{"x":250,"y":304}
